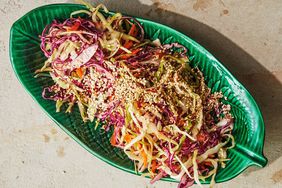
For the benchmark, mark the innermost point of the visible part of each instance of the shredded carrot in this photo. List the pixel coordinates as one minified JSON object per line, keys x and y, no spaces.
{"x":126,"y":56}
{"x":135,"y":51}
{"x":111,"y":98}
{"x":139,"y":146}
{"x":181,"y":122}
{"x":154,"y":166}
{"x":201,"y":137}
{"x":144,"y":156}
{"x":128,"y":138}
{"x":98,"y":24}
{"x":79,"y":72}
{"x":74,"y":27}
{"x":128,"y":44}
{"x":133,"y":30}
{"x":113,"y":139}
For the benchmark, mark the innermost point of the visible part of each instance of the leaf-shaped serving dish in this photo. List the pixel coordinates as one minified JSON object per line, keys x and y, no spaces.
{"x":26,"y":57}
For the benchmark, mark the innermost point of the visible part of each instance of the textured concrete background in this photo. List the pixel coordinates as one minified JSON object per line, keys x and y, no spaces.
{"x":246,"y":36}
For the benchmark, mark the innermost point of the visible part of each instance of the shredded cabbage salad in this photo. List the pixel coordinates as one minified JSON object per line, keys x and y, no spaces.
{"x":164,"y":116}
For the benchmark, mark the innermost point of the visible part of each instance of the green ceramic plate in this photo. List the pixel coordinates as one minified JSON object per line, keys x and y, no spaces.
{"x":26,"y":57}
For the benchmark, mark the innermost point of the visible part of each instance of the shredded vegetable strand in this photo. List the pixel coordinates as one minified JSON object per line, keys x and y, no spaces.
{"x":163,"y":115}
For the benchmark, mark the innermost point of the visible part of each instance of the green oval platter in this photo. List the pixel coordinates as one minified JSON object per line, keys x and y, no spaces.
{"x":26,"y":57}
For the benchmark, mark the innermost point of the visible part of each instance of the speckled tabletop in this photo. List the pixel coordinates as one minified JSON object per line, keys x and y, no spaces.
{"x":246,"y":36}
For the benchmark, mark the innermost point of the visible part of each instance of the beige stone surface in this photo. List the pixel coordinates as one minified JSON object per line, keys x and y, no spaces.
{"x":245,"y":35}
